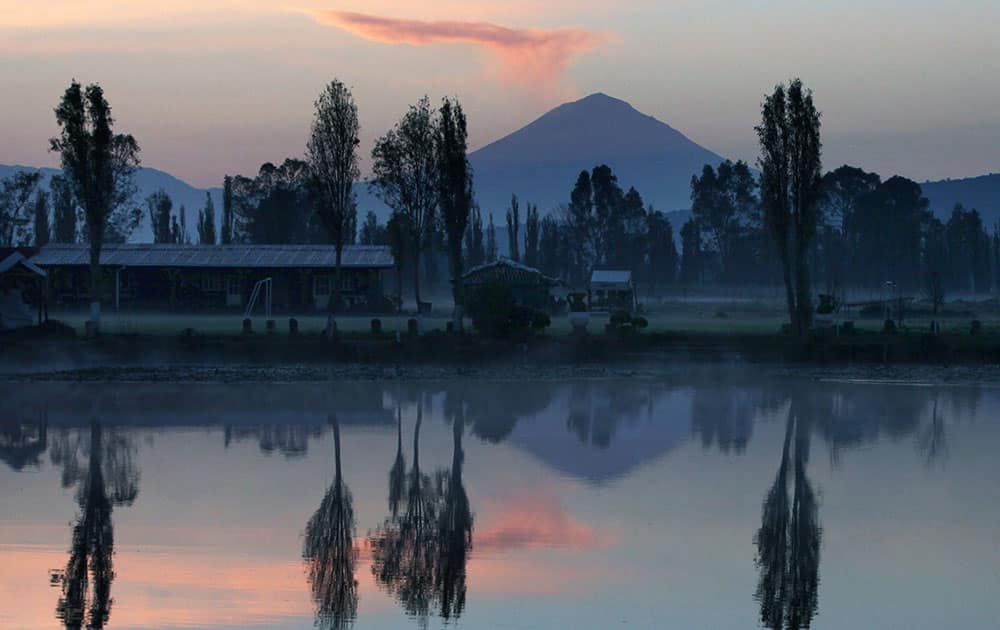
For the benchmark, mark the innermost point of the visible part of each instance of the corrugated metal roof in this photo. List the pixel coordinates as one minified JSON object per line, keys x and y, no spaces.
{"x":227,"y":256}
{"x":504,"y":263}
{"x":609,"y":276}
{"x":14,"y":259}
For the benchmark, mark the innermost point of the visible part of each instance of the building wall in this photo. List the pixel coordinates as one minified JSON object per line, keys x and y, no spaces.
{"x":186,"y":289}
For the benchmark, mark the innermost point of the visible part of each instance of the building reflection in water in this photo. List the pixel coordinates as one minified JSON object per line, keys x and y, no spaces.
{"x":329,"y":552}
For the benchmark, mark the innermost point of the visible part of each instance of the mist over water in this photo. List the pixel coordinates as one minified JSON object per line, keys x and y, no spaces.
{"x":713,"y":499}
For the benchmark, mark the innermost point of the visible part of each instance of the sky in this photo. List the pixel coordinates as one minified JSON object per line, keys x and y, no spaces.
{"x":210,"y":87}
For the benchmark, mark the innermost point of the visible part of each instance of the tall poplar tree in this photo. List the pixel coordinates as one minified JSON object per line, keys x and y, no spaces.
{"x":99,"y":163}
{"x":791,"y":173}
{"x":333,"y":163}
{"x":455,"y":181}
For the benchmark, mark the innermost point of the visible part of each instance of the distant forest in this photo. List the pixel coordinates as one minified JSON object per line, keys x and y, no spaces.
{"x":869,"y":232}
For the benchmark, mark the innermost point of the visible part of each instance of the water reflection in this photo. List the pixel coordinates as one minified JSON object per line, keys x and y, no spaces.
{"x":454,"y":526}
{"x":329,"y":551}
{"x":419,"y":556}
{"x":788,"y":541}
{"x":586,"y":444}
{"x":110,"y":478}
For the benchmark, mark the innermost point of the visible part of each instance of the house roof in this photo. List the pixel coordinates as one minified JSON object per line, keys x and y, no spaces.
{"x":218,"y":256}
{"x":507,"y":269}
{"x":17,"y":258}
{"x":609,"y":276}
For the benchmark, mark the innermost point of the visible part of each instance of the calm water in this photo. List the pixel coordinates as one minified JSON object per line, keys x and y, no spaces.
{"x":721,"y":501}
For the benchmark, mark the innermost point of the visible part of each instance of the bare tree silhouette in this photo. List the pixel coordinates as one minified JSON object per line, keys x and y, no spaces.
{"x":329,"y":552}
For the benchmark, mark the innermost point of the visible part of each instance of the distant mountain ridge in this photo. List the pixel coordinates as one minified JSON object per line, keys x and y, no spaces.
{"x":148,"y":181}
{"x":540,"y":163}
{"x":981,"y":193}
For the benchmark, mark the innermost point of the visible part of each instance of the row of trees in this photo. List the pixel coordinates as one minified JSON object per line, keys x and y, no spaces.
{"x":32,"y":214}
{"x":420,"y":170}
{"x":170,"y":227}
{"x":868,"y":231}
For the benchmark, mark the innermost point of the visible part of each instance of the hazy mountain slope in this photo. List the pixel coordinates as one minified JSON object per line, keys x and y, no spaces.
{"x":981,"y":193}
{"x":541,"y":161}
{"x":148,"y":181}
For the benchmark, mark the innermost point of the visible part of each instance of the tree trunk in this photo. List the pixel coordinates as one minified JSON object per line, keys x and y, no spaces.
{"x":456,"y":284}
{"x":802,"y":290}
{"x":95,"y":279}
{"x":334,"y":304}
{"x":399,"y":289}
{"x":786,"y":273}
{"x":336,"y":444}
{"x":416,"y":272}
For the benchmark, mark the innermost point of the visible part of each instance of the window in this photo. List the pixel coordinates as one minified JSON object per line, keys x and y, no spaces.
{"x":321,"y":285}
{"x":233,"y":285}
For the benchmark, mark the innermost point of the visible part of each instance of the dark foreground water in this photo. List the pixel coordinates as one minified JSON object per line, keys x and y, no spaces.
{"x":716,"y":501}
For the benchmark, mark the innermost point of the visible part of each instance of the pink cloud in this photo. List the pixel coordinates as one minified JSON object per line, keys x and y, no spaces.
{"x":538,"y":522}
{"x":535,"y":57}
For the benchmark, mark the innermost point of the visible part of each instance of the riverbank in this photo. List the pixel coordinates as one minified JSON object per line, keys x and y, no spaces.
{"x":385,"y":355}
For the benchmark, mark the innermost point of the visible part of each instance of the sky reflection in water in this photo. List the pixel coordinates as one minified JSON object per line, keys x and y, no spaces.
{"x":726,"y":501}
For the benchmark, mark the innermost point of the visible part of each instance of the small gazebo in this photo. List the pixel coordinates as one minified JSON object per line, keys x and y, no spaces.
{"x":529,"y":286}
{"x":611,"y":290}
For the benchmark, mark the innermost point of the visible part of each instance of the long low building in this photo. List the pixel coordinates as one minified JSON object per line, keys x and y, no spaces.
{"x":217,"y":277}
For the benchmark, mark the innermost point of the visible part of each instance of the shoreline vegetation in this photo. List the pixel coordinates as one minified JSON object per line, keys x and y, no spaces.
{"x":140,"y":352}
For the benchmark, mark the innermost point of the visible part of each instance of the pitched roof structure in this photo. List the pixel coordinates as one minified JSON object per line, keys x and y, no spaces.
{"x":216,"y":256}
{"x":507,"y":270}
{"x":17,"y":258}
{"x":609,"y":276}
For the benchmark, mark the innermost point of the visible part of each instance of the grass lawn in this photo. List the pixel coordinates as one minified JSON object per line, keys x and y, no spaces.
{"x":718,"y":317}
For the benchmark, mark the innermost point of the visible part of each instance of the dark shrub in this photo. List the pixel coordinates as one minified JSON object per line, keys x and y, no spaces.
{"x":376,"y":326}
{"x":577,"y":303}
{"x":620,"y":318}
{"x":495,"y":313}
{"x":293,"y":326}
{"x":639,"y":323}
{"x":889,"y":327}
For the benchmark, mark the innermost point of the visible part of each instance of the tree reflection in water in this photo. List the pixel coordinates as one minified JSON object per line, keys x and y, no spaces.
{"x":329,"y":551}
{"x":397,"y":474}
{"x":454,"y":527}
{"x":419,"y":556}
{"x":111,"y":478}
{"x":403,"y":547}
{"x":788,"y":541}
